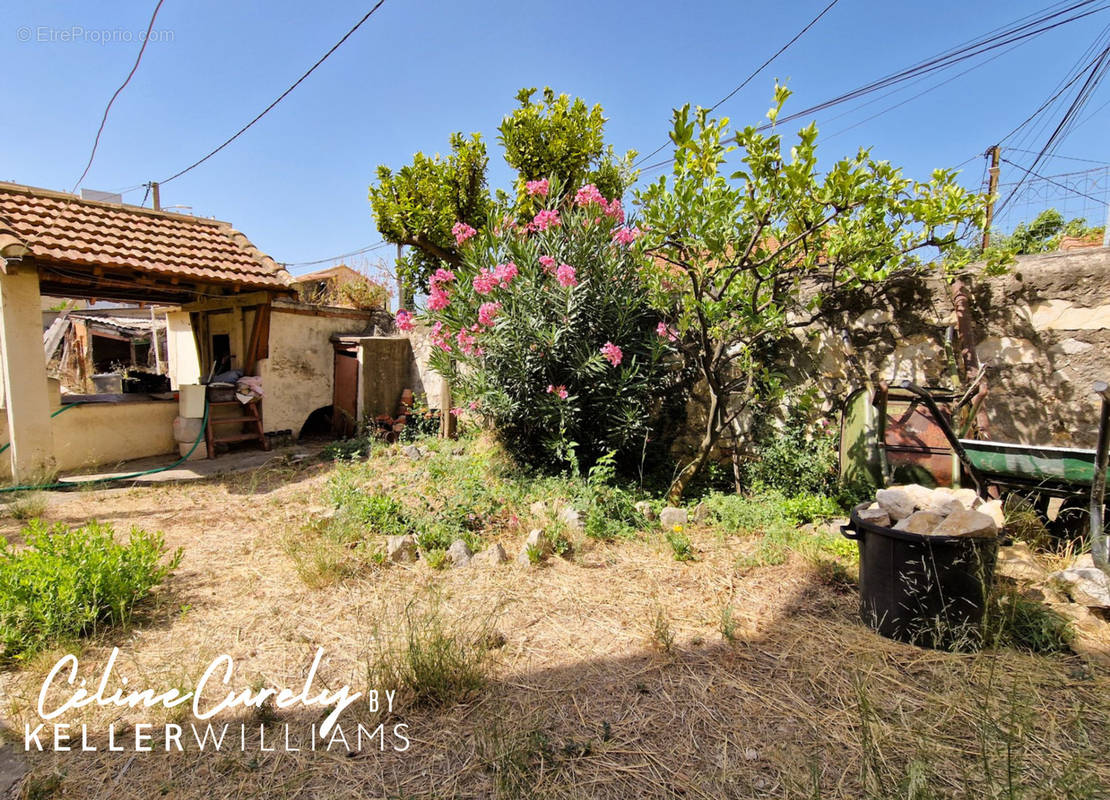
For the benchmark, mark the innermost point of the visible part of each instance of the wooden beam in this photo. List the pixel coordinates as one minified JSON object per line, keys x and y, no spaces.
{"x":221,"y":303}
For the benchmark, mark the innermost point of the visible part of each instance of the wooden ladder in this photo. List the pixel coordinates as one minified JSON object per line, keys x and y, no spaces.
{"x":253,"y":417}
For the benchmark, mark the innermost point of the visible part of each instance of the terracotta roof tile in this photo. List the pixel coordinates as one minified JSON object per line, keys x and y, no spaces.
{"x":65,"y":228}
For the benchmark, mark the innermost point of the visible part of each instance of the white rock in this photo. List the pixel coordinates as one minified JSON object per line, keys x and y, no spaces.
{"x":968,"y":497}
{"x":896,"y":502}
{"x":993,"y":509}
{"x":570,"y":517}
{"x":490,"y":557}
{"x":1087,"y":586}
{"x":671,"y":516}
{"x":459,"y":553}
{"x":922,"y":497}
{"x":645,"y":510}
{"x":412,"y":451}
{"x":538,"y":508}
{"x":701,"y":512}
{"x":537,"y":542}
{"x":400,"y":549}
{"x":875,"y":516}
{"x":967,"y":523}
{"x":922,"y":522}
{"x":1018,"y":563}
{"x":945,"y":505}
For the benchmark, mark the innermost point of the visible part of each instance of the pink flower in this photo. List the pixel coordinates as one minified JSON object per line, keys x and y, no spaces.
{"x":440,"y":277}
{"x":615,"y":211}
{"x":558,"y":391}
{"x":487,"y":312}
{"x":625,"y":235}
{"x":545,"y":219}
{"x":466,"y":341}
{"x":665,"y":332}
{"x":548,"y":263}
{"x":566,"y":276}
{"x":485,"y":282}
{"x":589,"y":194}
{"x":539,"y":187}
{"x":438,"y":300}
{"x":456,"y":411}
{"x":473,"y":405}
{"x":505,"y":273}
{"x":612,"y":353}
{"x":440,"y":337}
{"x":462,"y":232}
{"x":403,"y":319}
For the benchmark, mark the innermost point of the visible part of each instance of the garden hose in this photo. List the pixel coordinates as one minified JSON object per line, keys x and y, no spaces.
{"x":66,"y":407}
{"x":128,"y":476}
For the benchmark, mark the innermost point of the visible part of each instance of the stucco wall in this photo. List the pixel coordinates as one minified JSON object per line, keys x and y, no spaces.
{"x":386,"y":367}
{"x":96,"y":434}
{"x":297,"y":377}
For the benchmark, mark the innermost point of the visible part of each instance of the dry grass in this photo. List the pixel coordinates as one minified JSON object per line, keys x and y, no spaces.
{"x":785,"y":694}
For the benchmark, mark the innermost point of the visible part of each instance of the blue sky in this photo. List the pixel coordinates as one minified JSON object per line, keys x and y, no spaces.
{"x":418,"y":69}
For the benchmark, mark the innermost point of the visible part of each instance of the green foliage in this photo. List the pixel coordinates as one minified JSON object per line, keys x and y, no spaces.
{"x":422,"y":422}
{"x":734,"y":249}
{"x":792,"y":458}
{"x":419,"y":204}
{"x":546,"y":339}
{"x":67,"y":582}
{"x":610,"y":509}
{"x":680,"y":544}
{"x":1013,"y":620}
{"x":562,"y":139}
{"x":355,"y":448}
{"x":1042,"y":235}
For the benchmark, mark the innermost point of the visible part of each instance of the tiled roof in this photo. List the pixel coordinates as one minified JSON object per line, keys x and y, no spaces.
{"x":66,"y":230}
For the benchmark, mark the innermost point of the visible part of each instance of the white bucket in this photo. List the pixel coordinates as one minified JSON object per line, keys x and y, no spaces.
{"x":191,"y":400}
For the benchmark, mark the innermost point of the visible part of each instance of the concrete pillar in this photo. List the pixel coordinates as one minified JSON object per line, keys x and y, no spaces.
{"x":25,"y":390}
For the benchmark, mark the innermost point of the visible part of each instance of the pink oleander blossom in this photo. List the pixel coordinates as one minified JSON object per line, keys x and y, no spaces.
{"x":487,"y":313}
{"x":505,"y":274}
{"x":566,"y":276}
{"x":612,"y":353}
{"x":462,"y":232}
{"x":466,"y":341}
{"x":438,"y":299}
{"x":589,"y":194}
{"x":665,"y":332}
{"x":615,"y":211}
{"x":485,"y":282}
{"x":473,"y":405}
{"x":540,"y":187}
{"x":559,"y":391}
{"x":440,"y":277}
{"x":548,"y":263}
{"x":545,"y":219}
{"x":441,"y":337}
{"x":403,"y":319}
{"x":456,"y":411}
{"x":625,"y":235}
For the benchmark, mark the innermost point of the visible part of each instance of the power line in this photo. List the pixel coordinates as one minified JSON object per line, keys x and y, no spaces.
{"x":369,"y":248}
{"x":108,"y":108}
{"x":1012,"y":33}
{"x":1029,"y":172}
{"x":1066,"y":158}
{"x":758,"y":70}
{"x":281,"y":97}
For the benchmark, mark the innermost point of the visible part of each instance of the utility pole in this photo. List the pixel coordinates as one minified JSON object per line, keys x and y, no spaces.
{"x":400,"y":283}
{"x":157,"y":197}
{"x":992,"y":187}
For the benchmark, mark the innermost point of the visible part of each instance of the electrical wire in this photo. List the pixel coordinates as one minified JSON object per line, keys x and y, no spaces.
{"x":1049,"y":179}
{"x":1066,"y":158}
{"x":280,"y":97}
{"x":757,"y":70}
{"x":127,"y":80}
{"x":369,"y":248}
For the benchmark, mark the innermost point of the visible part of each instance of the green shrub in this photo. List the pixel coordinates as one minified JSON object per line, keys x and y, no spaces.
{"x":680,"y":544}
{"x":794,"y":458}
{"x":610,"y":510}
{"x":68,"y":582}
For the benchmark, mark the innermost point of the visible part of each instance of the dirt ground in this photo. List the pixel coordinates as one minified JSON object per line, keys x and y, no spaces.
{"x":610,"y":676}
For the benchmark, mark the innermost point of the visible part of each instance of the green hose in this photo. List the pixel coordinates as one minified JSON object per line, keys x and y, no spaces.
{"x":129,"y":476}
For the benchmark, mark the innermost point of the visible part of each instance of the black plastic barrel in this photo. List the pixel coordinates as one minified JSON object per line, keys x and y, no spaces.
{"x":926,"y":590}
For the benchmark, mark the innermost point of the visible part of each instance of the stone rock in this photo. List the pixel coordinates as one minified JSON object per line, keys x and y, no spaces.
{"x":459,"y":553}
{"x":13,"y":767}
{"x":1044,"y":594}
{"x":944,"y":502}
{"x":969,"y":498}
{"x":993,"y":509}
{"x":876,"y":516}
{"x":537,"y":541}
{"x":645,"y":510}
{"x":896,"y":502}
{"x":570,"y":517}
{"x":1087,"y":586}
{"x":671,"y":516}
{"x":1018,"y":563}
{"x":538,"y":508}
{"x":412,"y":451}
{"x":1092,"y":634}
{"x":490,"y":557}
{"x":700,"y":513}
{"x":1083,"y":561}
{"x":967,"y":523}
{"x":922,"y":522}
{"x":400,"y":549}
{"x":922,"y":497}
